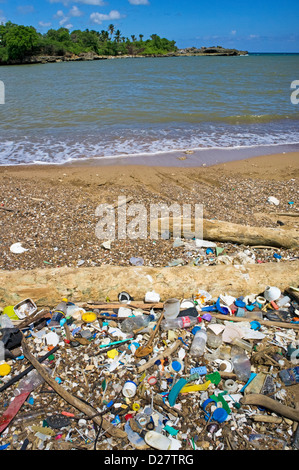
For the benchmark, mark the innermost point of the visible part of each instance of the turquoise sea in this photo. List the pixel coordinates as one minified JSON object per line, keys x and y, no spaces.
{"x":70,"y":111}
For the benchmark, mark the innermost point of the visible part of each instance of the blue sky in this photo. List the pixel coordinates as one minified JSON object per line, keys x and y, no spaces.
{"x":256,"y":26}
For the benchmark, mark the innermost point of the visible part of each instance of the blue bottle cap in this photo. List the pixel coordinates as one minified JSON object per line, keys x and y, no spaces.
{"x":176,"y":365}
{"x":219,"y":415}
{"x":240,"y":303}
{"x":255,"y":325}
{"x":195,"y":329}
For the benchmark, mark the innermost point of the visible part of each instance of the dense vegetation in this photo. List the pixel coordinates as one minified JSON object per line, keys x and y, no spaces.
{"x":17,"y":42}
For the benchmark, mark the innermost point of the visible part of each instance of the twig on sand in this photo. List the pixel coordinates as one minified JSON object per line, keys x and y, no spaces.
{"x":75,"y":402}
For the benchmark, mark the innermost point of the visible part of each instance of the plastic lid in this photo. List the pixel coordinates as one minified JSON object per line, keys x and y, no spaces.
{"x":255,"y":325}
{"x":220,"y":415}
{"x":207,"y":316}
{"x":5,"y":369}
{"x":176,"y":365}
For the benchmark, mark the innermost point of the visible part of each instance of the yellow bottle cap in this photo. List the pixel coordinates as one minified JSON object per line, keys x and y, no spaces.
{"x":112,"y":353}
{"x":4,"y":369}
{"x":89,"y":317}
{"x":135,"y":406}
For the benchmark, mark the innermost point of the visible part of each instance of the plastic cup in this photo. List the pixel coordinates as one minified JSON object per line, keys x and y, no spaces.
{"x":171,"y":308}
{"x":129,"y":389}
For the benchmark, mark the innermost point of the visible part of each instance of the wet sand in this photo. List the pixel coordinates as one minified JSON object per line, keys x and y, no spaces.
{"x":51,"y":210}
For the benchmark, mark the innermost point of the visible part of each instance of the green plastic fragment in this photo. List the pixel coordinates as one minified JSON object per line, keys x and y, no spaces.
{"x":219,"y":398}
{"x":214,"y":377}
{"x":171,"y":430}
{"x":172,"y":396}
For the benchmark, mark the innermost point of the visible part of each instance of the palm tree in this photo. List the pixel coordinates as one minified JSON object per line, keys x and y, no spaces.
{"x":117,"y":36}
{"x":111,"y":29}
{"x":104,"y":35}
{"x":141,"y":37}
{"x":133,"y":38}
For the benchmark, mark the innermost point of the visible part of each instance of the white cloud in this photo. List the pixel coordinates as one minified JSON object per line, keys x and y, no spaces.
{"x":233,"y":32}
{"x":98,"y":18}
{"x":43,"y":24}
{"x":64,"y":19}
{"x":139,"y":2}
{"x":83,"y":2}
{"x":98,"y":3}
{"x":74,"y":11}
{"x":2,"y":17}
{"x":25,"y":9}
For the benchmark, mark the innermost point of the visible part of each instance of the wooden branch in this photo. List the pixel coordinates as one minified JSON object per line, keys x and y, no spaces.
{"x":75,"y":402}
{"x":285,"y":214}
{"x":112,"y":305}
{"x":8,"y":209}
{"x":267,"y":419}
{"x":277,"y":324}
{"x":258,"y":399}
{"x":32,"y":318}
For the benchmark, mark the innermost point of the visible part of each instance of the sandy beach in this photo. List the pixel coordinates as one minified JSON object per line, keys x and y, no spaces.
{"x":51,"y":210}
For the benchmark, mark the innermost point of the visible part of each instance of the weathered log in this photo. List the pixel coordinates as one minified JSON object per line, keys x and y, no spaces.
{"x":48,"y":286}
{"x":258,"y":399}
{"x":221,"y":231}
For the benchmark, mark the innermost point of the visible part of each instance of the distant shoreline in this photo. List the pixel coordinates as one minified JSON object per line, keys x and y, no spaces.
{"x":91,"y":56}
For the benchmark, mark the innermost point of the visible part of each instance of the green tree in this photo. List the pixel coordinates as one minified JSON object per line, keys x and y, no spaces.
{"x":111,"y":30}
{"x":117,"y":36}
{"x":21,"y":41}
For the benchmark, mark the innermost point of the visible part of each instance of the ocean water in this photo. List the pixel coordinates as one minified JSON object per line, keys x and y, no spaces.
{"x":64,"y":112}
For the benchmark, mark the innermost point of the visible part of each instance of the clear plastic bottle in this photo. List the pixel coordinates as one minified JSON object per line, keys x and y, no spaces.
{"x":241,"y":364}
{"x":133,"y":323}
{"x":199,"y":343}
{"x":179,"y":322}
{"x":213,"y":340}
{"x":58,"y":314}
{"x":28,"y":383}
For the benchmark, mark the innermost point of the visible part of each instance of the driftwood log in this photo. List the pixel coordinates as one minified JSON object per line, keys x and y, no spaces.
{"x":75,"y":402}
{"x":258,"y":399}
{"x":221,"y":231}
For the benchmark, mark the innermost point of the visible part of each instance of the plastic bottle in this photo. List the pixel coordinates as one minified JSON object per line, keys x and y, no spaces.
{"x":179,"y":322}
{"x":134,"y":323}
{"x":199,"y":343}
{"x":242,"y":344}
{"x":241,"y":364}
{"x":59,"y":313}
{"x":213,"y":340}
{"x":28,"y":383}
{"x":283,"y":301}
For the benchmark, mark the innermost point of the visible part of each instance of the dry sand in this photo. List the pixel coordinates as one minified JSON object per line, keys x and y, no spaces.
{"x":53,"y":207}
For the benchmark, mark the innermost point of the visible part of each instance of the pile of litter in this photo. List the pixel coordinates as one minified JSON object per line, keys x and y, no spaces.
{"x":179,"y":374}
